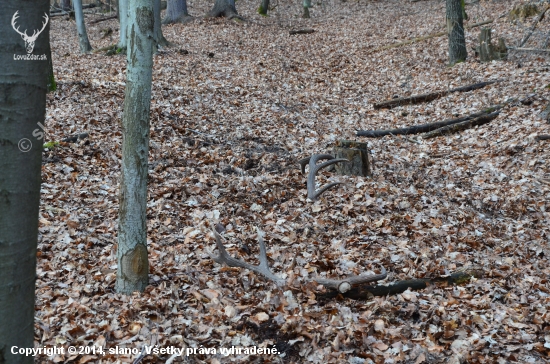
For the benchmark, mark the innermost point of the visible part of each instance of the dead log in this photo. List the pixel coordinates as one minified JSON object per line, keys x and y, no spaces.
{"x":543,"y":137}
{"x":366,"y":292}
{"x":424,"y":128}
{"x":416,"y":99}
{"x":301,"y":31}
{"x":480,"y":120}
{"x":358,"y":156}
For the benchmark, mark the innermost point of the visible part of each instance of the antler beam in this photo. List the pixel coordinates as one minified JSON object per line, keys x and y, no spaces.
{"x":314,"y":168}
{"x":341,"y":286}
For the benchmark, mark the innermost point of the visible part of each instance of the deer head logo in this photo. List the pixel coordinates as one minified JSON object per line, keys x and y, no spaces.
{"x":29,"y":40}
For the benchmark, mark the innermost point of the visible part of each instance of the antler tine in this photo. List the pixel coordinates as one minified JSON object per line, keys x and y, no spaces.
{"x":261,"y":269}
{"x":345,"y":285}
{"x":13,"y":24}
{"x":303,"y":163}
{"x":314,"y":168}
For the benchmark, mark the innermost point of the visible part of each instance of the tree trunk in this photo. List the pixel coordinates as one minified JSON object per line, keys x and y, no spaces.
{"x":224,"y":8}
{"x":23,"y":87}
{"x":157,"y":34}
{"x":176,"y":12}
{"x":123,"y":19}
{"x":306,"y":4}
{"x":264,"y":7}
{"x":83,"y":40}
{"x":133,"y":266}
{"x":66,"y":5}
{"x":489,"y":52}
{"x":455,"y":31}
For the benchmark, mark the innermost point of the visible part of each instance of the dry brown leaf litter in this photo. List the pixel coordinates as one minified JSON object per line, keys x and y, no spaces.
{"x":226,"y":132}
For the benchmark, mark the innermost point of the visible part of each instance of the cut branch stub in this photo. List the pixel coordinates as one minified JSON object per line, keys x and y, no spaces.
{"x":314,"y":168}
{"x":342,"y":285}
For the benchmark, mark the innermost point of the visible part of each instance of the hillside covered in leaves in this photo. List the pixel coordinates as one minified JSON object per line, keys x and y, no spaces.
{"x":235,"y":105}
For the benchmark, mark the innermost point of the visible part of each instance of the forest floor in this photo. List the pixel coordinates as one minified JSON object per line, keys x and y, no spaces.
{"x":234,"y":106}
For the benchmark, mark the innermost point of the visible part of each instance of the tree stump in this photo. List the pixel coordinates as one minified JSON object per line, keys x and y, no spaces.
{"x":358,"y":155}
{"x":489,"y":52}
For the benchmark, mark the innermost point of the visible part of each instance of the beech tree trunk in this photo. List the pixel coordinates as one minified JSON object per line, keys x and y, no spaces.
{"x":306,"y":4}
{"x":159,"y":37}
{"x":123,"y":19}
{"x":264,"y":7}
{"x":66,"y":5}
{"x":132,"y":258}
{"x":23,"y":87}
{"x":224,"y":8}
{"x":455,"y":31}
{"x":176,"y":12}
{"x":83,"y":40}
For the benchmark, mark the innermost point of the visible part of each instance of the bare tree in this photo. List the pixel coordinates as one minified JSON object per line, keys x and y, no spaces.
{"x":264,"y":7}
{"x":306,"y":5}
{"x":455,"y":30}
{"x":23,"y":86}
{"x":132,"y":257}
{"x":176,"y":12}
{"x":224,"y":8}
{"x":159,"y":37}
{"x":66,"y":5}
{"x":123,"y":19}
{"x":83,"y":40}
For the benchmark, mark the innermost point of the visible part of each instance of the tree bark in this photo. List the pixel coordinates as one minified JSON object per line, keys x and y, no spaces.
{"x":224,"y":8}
{"x":176,"y":12}
{"x":264,"y":7}
{"x":455,"y":31}
{"x":83,"y":40}
{"x":133,"y":265}
{"x":123,"y":19}
{"x":23,"y":87}
{"x":157,"y":33}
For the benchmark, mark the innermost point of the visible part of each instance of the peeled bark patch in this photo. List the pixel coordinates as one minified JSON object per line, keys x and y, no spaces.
{"x":135,"y":264}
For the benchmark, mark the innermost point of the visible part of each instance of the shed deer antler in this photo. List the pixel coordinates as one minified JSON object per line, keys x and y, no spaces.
{"x":314,"y":168}
{"x":341,"y":286}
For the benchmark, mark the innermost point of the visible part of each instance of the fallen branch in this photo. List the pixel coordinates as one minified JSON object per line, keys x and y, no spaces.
{"x":301,"y":31}
{"x":102,"y":19}
{"x":537,"y":21}
{"x":416,"y":99}
{"x":111,"y":47}
{"x":481,"y":120}
{"x":364,"y":292}
{"x":424,"y":128}
{"x":435,"y":35}
{"x":543,"y":137}
{"x":529,"y":50}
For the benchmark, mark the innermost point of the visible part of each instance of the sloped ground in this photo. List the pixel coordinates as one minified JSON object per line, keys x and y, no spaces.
{"x":234,"y":107}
